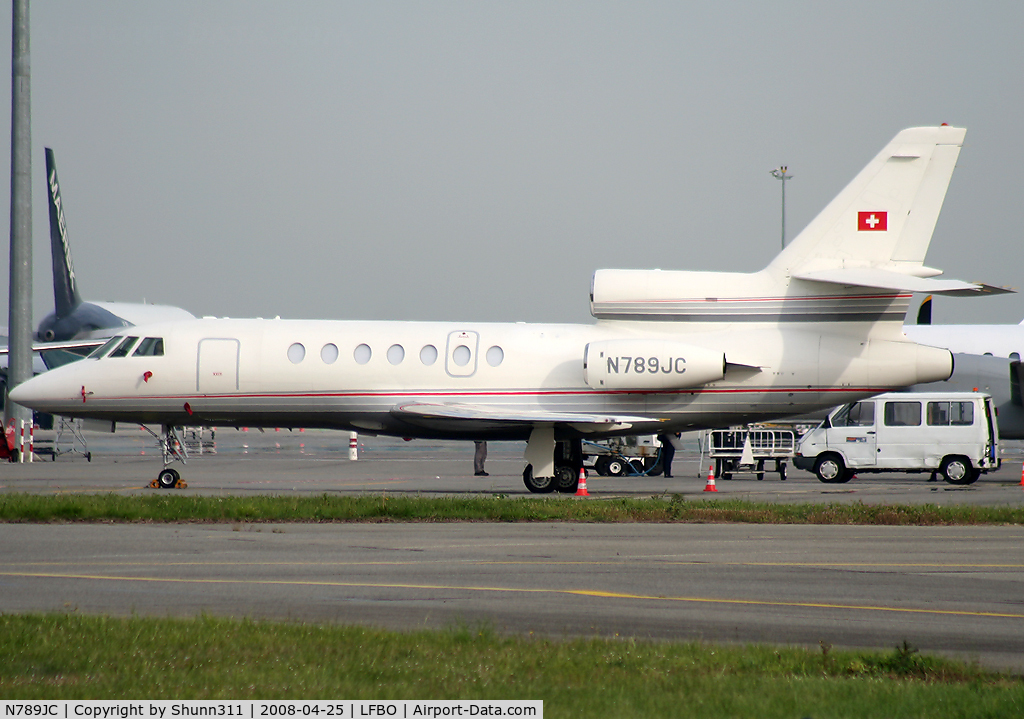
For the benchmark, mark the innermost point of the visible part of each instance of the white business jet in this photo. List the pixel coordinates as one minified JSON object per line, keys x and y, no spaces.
{"x":671,"y":350}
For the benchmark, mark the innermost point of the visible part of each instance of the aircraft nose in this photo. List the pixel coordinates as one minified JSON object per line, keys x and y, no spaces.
{"x":44,"y":392}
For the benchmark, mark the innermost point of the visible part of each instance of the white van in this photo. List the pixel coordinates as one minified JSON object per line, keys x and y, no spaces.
{"x":953,"y":433}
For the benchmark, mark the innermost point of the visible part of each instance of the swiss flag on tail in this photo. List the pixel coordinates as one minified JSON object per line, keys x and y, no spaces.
{"x":872,"y":221}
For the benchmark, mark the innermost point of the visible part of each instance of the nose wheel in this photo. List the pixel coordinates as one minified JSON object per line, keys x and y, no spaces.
{"x":168,"y":479}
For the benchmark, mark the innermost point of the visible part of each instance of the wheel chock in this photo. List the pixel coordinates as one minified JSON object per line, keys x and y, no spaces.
{"x":181,"y":484}
{"x":153,"y":484}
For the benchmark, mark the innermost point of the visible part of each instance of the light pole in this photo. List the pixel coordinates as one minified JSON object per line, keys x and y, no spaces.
{"x":780,"y":174}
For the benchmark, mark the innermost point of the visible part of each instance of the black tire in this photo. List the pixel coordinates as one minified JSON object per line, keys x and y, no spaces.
{"x":538,"y":485}
{"x":782,"y":471}
{"x":168,"y":478}
{"x":616,"y":467}
{"x":958,"y":470}
{"x":567,"y":479}
{"x":601,"y":465}
{"x":831,"y":469}
{"x":760,"y":470}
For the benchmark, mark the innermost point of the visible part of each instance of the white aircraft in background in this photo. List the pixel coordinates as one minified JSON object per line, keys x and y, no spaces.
{"x":75,"y":327}
{"x":821,"y":325}
{"x":986,"y":358}
{"x":73,"y":319}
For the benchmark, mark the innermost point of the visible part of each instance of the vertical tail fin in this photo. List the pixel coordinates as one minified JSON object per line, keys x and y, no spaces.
{"x":885,"y":217}
{"x":65,"y":290}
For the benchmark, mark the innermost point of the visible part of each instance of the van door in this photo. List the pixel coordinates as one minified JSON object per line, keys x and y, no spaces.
{"x":904,"y":442}
{"x":992,"y":448}
{"x":854,"y":435}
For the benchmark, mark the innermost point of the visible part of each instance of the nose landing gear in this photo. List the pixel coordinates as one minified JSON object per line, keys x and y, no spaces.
{"x":172,"y":449}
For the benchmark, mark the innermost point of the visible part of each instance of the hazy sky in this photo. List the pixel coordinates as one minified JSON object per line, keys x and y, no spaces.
{"x":479,"y":160}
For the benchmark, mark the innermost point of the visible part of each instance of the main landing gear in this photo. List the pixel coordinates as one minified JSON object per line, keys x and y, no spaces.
{"x":552,"y":466}
{"x":172,"y":449}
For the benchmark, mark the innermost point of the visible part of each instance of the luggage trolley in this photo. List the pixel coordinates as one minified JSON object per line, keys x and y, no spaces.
{"x":726,"y":447}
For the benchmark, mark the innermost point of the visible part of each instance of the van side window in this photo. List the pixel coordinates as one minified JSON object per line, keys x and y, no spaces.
{"x":902,"y":414}
{"x":944,"y":414}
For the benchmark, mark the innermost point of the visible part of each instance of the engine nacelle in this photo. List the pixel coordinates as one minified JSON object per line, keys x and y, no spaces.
{"x":650,"y":365}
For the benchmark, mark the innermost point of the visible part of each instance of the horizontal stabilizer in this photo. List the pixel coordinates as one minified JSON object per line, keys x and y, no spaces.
{"x":514,"y":416}
{"x":889,"y":280}
{"x":68,"y":345}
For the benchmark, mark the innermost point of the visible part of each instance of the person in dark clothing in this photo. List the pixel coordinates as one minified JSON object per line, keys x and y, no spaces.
{"x":479,"y":457}
{"x":668,"y":450}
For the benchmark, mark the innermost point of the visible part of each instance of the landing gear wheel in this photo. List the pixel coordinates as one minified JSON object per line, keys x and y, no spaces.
{"x":958,"y":470}
{"x":616,"y":467}
{"x":831,"y":469}
{"x":168,"y":478}
{"x":566,"y":479}
{"x":537,"y":485}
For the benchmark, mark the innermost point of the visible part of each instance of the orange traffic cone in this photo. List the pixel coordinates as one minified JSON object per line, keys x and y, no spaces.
{"x":710,"y":486}
{"x":581,"y":487}
{"x":1022,"y":475}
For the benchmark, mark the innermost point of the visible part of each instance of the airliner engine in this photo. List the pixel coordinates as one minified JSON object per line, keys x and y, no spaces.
{"x":650,"y":365}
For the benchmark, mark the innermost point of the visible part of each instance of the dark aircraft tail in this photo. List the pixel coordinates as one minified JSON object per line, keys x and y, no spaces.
{"x":65,"y":290}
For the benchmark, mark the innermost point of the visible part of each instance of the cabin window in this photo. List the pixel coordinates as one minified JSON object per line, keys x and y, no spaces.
{"x":428,"y":355}
{"x":1015,"y":356}
{"x":396,"y":353}
{"x":902,"y":414}
{"x":461,"y":355}
{"x":122,"y":349}
{"x":329,"y":353}
{"x":296,"y":353}
{"x":150,"y":347}
{"x":495,"y":356}
{"x":105,"y":347}
{"x":944,"y":414}
{"x":362,"y":354}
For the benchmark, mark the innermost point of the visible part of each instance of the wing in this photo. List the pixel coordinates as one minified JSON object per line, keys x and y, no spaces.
{"x":502,"y":416}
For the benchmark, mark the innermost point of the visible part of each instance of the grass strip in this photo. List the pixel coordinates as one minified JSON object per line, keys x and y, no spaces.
{"x":169,"y":507}
{"x":70,"y":656}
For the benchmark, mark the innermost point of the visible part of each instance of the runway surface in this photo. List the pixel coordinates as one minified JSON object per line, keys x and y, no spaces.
{"x":957,"y":590}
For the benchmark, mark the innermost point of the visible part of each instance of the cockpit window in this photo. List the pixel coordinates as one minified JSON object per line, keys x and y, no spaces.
{"x":150,"y":347}
{"x":105,"y":347}
{"x":122,"y":349}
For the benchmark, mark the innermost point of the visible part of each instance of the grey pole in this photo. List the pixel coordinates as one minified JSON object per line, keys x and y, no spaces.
{"x":780,"y":174}
{"x":20,"y":300}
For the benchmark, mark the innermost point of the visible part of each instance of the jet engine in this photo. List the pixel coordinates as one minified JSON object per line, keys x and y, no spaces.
{"x":650,"y":365}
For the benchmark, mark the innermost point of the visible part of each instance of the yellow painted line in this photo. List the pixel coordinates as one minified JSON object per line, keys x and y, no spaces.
{"x":521,"y":590}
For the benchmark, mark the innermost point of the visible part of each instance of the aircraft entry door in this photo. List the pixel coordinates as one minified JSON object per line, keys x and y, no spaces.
{"x":217,"y":366}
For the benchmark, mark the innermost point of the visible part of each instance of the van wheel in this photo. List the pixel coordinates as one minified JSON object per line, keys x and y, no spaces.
{"x":958,"y":470}
{"x":830,"y":469}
